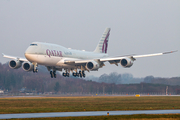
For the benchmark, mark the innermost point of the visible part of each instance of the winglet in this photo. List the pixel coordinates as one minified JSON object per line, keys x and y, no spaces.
{"x":3,"y":54}
{"x":170,"y":52}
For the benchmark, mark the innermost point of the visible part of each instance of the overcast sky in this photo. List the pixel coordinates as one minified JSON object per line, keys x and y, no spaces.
{"x":137,"y":27}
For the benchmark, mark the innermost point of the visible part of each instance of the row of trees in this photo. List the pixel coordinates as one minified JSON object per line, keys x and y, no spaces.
{"x":128,"y":78}
{"x":116,"y":78}
{"x":14,"y":80}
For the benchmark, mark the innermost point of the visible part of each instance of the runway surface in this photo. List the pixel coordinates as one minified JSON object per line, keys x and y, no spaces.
{"x":90,"y":113}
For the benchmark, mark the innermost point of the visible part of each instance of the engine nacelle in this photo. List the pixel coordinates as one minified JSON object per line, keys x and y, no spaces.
{"x":92,"y":65}
{"x":126,"y":62}
{"x":15,"y":64}
{"x":28,"y":66}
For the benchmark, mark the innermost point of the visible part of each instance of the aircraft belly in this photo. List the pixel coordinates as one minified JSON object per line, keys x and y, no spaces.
{"x":62,"y":65}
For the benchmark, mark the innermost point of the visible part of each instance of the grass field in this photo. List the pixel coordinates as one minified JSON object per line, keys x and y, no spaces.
{"x":67,"y":104}
{"x":118,"y":117}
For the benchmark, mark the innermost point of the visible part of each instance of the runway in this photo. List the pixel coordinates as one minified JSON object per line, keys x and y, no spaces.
{"x":90,"y":113}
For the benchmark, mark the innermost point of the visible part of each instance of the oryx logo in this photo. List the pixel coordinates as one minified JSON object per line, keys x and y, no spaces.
{"x":105,"y":44}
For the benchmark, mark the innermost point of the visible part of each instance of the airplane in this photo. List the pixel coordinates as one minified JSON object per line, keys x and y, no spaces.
{"x":59,"y":58}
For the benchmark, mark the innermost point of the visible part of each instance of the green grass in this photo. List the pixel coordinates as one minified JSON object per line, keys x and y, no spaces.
{"x":67,"y":104}
{"x":117,"y":117}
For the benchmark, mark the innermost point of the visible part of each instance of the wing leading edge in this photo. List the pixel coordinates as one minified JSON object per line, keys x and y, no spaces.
{"x":115,"y":60}
{"x":13,"y":57}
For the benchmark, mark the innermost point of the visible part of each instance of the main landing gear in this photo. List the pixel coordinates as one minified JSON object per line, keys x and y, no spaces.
{"x":81,"y":74}
{"x":66,"y":74}
{"x":75,"y":74}
{"x":53,"y":74}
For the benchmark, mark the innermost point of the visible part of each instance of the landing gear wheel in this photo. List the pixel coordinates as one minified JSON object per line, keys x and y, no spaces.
{"x":65,"y":74}
{"x":35,"y":70}
{"x":74,"y":74}
{"x":77,"y":74}
{"x":83,"y":74}
{"x":54,"y":74}
{"x":80,"y":74}
{"x":51,"y":74}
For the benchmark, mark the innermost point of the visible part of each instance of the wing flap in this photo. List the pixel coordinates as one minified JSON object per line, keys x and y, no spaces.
{"x":76,"y":61}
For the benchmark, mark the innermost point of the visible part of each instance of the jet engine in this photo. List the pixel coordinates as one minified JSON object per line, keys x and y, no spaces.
{"x":28,"y":66}
{"x":126,"y":62}
{"x":92,"y":65}
{"x":15,"y":64}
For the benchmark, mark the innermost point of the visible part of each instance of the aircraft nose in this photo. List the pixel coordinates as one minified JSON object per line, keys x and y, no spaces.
{"x":27,"y":52}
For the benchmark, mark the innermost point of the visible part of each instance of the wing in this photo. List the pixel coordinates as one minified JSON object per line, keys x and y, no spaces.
{"x":16,"y":58}
{"x":114,"y":60}
{"x":135,"y":56}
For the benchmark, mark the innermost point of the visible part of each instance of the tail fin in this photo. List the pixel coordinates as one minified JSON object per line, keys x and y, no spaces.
{"x":103,"y":43}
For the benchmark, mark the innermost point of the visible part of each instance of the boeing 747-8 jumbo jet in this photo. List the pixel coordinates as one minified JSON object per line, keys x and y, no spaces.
{"x":56,"y":57}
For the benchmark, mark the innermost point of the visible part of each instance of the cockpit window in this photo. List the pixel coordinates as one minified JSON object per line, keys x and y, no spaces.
{"x":33,"y":44}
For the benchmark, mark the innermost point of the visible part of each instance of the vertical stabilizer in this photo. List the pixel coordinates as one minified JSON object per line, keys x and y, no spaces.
{"x":103,"y":43}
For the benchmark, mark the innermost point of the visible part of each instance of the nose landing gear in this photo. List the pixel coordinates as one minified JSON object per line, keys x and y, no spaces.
{"x":35,"y":70}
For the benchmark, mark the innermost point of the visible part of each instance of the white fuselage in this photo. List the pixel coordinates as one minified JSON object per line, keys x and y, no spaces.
{"x":54,"y":55}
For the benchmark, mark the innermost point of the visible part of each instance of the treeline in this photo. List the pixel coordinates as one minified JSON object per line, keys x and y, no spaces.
{"x":13,"y":80}
{"x":116,"y":78}
{"x":128,"y":78}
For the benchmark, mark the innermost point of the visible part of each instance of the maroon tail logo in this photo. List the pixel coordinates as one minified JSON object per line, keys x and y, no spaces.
{"x":105,"y":44}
